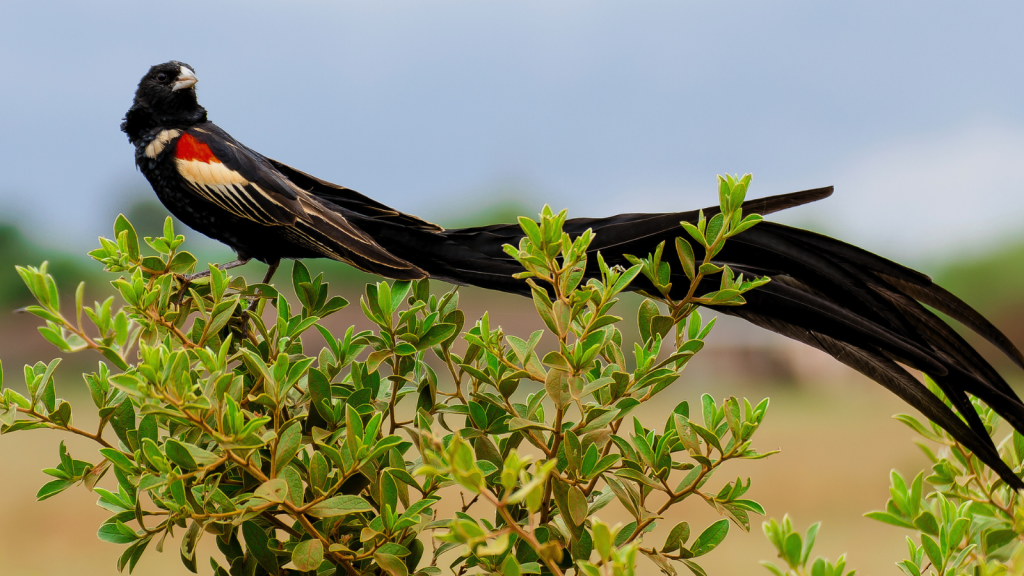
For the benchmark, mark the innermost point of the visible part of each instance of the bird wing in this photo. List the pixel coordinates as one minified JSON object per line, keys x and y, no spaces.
{"x":234,"y":178}
{"x":241,"y":181}
{"x":351,"y":200}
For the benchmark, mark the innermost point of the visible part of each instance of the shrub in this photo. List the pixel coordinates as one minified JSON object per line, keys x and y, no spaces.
{"x":215,"y":420}
{"x":965,"y":518}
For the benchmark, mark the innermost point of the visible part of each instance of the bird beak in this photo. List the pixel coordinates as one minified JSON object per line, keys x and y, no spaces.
{"x":186,"y":79}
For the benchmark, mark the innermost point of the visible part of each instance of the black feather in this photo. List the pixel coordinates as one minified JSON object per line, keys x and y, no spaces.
{"x":866,"y":311}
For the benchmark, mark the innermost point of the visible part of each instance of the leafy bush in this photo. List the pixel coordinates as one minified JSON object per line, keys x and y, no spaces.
{"x":390,"y":447}
{"x":968,"y":520}
{"x":796,"y":551}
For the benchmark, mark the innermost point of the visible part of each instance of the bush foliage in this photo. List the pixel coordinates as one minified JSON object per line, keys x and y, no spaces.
{"x":964,"y":518}
{"x":428,"y":445}
{"x":388,"y":448}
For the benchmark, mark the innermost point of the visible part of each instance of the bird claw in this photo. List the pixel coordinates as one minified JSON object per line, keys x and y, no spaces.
{"x":190,"y":278}
{"x":186,"y":281}
{"x":253,"y":305}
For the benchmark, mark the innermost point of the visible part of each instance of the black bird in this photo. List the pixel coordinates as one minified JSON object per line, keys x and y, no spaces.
{"x":866,"y":311}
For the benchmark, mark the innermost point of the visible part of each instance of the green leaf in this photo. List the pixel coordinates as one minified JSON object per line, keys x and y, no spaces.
{"x":113,"y":356}
{"x":648,"y":311}
{"x":812,"y":535}
{"x":517,"y":423}
{"x":638,"y":477}
{"x":288,"y":446}
{"x":300,"y":275}
{"x":111,"y":533}
{"x":909,"y":568}
{"x":711,"y":536}
{"x":121,"y":224}
{"x":122,"y":420}
{"x":996,"y":539}
{"x":257,"y":542}
{"x":154,"y":456}
{"x":695,"y":233}
{"x":557,"y":386}
{"x":391,"y":564}
{"x":405,"y":349}
{"x":694,"y":567}
{"x":889,"y":519}
{"x":626,"y":277}
{"x":382,"y":445}
{"x":561,"y":314}
{"x":707,"y":435}
{"x":686,"y":257}
{"x":62,"y":415}
{"x":604,"y":464}
{"x":273,"y":490}
{"x":577,"y":505}
{"x":747,"y":223}
{"x":957,"y":531}
{"x":388,"y":492}
{"x":189,"y":542}
{"x":117,"y":458}
{"x":677,"y":537}
{"x":709,"y":268}
{"x":340,"y":506}
{"x":932,"y":550}
{"x":182,"y":263}
{"x":48,"y":396}
{"x":532,"y":230}
{"x":188,"y":456}
{"x":523,"y":348}
{"x":178,"y":454}
{"x":308,"y":554}
{"x":686,"y":434}
{"x":438,"y":333}
{"x":714,"y":227}
{"x":925,"y":522}
{"x":793,"y":548}
{"x":510,"y":567}
{"x":725,"y":194}
{"x":543,"y":305}
{"x":52,"y":488}
{"x":223,"y":315}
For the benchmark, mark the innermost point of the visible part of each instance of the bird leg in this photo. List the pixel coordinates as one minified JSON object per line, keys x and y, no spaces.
{"x":266,"y":280}
{"x":187,"y":279}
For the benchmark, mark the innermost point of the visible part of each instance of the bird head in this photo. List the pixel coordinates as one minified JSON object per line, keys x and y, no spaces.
{"x":166,"y":97}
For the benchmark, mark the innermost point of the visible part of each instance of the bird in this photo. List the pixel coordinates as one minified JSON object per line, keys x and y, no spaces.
{"x":866,"y":311}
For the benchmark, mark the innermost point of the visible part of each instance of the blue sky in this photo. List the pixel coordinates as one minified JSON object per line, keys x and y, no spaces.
{"x":601,"y":107}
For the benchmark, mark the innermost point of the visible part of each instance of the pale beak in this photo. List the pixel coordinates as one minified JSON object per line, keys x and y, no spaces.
{"x":186,"y":79}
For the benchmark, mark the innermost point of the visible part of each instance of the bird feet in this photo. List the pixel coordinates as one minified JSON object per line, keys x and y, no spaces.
{"x":188,"y":279}
{"x":254,"y":303}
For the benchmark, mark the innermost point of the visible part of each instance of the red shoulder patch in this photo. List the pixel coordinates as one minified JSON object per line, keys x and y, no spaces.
{"x":189,"y":148}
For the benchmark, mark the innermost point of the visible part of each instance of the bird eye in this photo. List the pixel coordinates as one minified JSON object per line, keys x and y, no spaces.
{"x":161,"y":77}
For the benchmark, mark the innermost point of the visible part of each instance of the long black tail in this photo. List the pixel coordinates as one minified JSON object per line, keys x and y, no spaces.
{"x":866,"y":311}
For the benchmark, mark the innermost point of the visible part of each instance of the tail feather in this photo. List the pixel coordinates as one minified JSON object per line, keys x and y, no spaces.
{"x":803,"y":315}
{"x":945,"y":339}
{"x":939,"y":298}
{"x":893,"y":377}
{"x":866,"y":311}
{"x":913,"y":283}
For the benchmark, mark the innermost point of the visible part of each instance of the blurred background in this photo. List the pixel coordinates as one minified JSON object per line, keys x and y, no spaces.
{"x":475,"y":112}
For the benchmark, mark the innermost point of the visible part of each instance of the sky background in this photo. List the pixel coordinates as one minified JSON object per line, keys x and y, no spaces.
{"x":913,"y":111}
